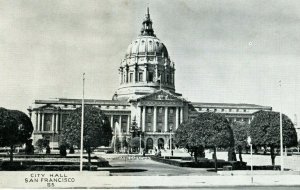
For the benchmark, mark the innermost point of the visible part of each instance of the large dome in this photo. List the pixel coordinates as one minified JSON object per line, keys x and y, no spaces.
{"x":147,"y":66}
{"x":149,"y":45}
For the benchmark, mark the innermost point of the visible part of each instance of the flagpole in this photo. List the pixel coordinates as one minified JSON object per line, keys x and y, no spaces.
{"x":82,"y":124}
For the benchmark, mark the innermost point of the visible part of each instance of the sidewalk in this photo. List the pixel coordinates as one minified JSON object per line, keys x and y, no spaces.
{"x":95,"y":180}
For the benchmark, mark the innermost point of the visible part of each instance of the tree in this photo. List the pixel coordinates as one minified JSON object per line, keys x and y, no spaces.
{"x":135,"y":143}
{"x":241,"y":131}
{"x":15,"y":129}
{"x":41,"y":144}
{"x":182,"y":137}
{"x":265,"y":131}
{"x":29,"y":149}
{"x":208,"y":130}
{"x":97,"y":130}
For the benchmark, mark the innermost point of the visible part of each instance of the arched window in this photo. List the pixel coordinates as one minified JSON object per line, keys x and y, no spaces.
{"x":149,"y":144}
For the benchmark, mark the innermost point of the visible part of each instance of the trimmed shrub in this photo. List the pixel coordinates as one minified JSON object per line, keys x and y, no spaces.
{"x":63,"y":150}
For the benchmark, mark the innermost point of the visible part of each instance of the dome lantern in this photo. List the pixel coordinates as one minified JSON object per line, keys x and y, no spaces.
{"x":147,"y":29}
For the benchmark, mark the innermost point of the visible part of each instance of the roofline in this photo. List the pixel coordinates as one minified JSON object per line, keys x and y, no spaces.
{"x":230,"y":105}
{"x":79,"y":101}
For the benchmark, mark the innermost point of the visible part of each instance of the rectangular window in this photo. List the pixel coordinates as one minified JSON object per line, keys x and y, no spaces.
{"x":149,"y":126}
{"x":159,"y":127}
{"x":130,"y":77}
{"x":150,"y":75}
{"x":140,"y":77}
{"x":124,"y":123}
{"x":47,"y":121}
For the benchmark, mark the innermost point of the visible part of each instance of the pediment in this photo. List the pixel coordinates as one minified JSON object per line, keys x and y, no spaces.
{"x":161,"y":95}
{"x":47,"y":107}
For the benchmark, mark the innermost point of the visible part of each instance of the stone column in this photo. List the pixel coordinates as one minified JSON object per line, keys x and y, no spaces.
{"x":154,"y":118}
{"x":38,"y":127}
{"x":53,"y":122}
{"x":120,"y":124}
{"x":181,"y":114}
{"x":166,"y":119}
{"x":112,"y":122}
{"x":43,"y":119}
{"x":126,"y":74}
{"x":177,"y":118}
{"x":165,"y":74}
{"x":121,"y":75}
{"x":156,"y":72}
{"x":136,"y":73}
{"x":144,"y":118}
{"x":128,"y":124}
{"x":145,"y":74}
{"x":173,"y":75}
{"x":56,"y":122}
{"x":140,"y":117}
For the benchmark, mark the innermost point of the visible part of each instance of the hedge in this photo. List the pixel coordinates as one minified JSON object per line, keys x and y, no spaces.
{"x":41,"y":166}
{"x":202,"y":163}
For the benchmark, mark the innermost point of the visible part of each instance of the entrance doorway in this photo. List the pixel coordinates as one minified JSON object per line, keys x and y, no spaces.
{"x":160,"y":143}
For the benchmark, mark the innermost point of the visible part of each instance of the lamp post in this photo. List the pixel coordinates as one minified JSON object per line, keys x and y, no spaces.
{"x":141,"y":143}
{"x":249,"y":142}
{"x":82,"y":124}
{"x":281,"y":137}
{"x":52,"y":147}
{"x":171,"y":140}
{"x":115,"y":138}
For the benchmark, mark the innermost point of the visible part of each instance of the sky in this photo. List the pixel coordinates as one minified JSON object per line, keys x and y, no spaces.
{"x":224,"y":51}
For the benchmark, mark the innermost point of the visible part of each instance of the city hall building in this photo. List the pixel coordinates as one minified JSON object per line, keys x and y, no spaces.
{"x":146,"y":95}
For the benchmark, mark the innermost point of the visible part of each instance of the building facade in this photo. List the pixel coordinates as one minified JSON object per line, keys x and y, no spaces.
{"x":146,"y":95}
